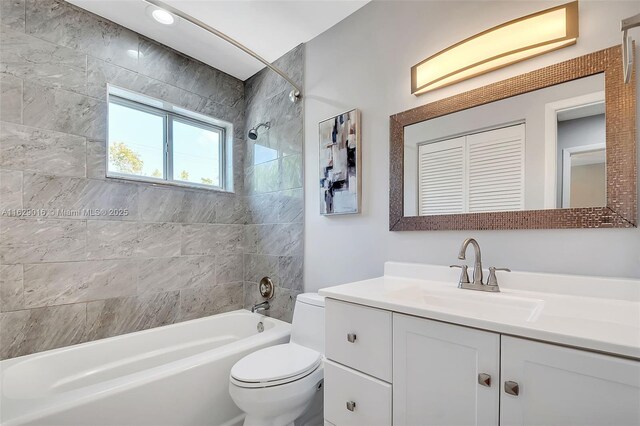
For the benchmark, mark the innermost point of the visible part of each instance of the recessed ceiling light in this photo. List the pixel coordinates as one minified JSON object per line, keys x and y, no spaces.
{"x":163,"y":17}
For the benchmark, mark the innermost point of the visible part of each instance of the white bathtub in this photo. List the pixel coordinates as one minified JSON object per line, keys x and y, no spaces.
{"x":172,"y":375}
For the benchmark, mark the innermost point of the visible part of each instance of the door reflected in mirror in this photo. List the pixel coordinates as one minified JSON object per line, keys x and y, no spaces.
{"x":582,"y":156}
{"x":545,"y":149}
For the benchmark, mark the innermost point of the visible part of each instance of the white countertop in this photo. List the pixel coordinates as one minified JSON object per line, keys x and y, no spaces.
{"x":594,"y":313}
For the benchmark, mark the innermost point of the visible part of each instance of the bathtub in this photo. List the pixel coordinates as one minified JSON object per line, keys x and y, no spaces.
{"x":172,"y":375}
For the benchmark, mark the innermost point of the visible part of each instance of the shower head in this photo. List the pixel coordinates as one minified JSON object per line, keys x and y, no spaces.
{"x":253,"y":133}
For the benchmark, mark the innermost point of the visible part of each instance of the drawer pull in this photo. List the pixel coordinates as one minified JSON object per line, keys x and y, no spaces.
{"x":351,"y":406}
{"x":484,"y":379}
{"x":351,"y":337}
{"x":512,"y":388}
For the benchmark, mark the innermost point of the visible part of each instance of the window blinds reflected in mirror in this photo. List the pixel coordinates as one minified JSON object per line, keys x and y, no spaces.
{"x":474,"y":173}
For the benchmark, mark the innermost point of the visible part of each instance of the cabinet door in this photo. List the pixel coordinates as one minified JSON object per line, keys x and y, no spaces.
{"x":563,"y":386}
{"x":435,"y":374}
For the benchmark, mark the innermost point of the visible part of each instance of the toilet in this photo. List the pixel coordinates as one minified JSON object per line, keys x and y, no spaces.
{"x":282,"y":384}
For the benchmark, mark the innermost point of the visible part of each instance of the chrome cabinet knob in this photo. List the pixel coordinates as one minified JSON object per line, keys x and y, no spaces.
{"x":351,"y":405}
{"x":484,"y":379}
{"x":351,"y":337}
{"x":512,"y":388}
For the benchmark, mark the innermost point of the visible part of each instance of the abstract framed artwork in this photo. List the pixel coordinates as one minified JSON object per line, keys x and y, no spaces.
{"x":340,"y":176}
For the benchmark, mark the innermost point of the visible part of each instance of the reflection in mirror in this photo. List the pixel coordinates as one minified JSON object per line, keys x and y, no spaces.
{"x":581,"y":156}
{"x":540,"y":150}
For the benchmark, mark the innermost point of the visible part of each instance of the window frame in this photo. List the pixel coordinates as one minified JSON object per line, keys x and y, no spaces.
{"x":169,"y":117}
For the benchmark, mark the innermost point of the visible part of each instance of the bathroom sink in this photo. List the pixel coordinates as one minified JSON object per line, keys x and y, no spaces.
{"x":488,"y":306}
{"x":597,"y":313}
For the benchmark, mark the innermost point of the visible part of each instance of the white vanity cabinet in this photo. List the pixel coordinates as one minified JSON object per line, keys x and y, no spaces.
{"x":565,"y":386}
{"x":446,"y":374}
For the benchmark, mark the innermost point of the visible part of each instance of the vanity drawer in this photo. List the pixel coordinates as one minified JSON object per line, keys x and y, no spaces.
{"x":353,"y":398}
{"x":359,"y":337}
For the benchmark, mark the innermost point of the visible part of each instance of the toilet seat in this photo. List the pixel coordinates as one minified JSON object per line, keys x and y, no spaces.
{"x":275,"y":365}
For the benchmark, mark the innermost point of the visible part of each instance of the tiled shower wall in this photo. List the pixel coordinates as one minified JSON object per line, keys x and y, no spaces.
{"x":273,"y":184}
{"x":177,"y":255}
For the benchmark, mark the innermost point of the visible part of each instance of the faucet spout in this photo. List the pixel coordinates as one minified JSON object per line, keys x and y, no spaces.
{"x":264,"y":306}
{"x":477,"y":266}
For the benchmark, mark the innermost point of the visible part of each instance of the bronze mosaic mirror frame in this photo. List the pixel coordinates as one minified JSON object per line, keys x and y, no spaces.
{"x":620,"y":116}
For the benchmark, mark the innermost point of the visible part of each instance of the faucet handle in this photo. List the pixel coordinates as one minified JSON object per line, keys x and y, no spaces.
{"x":493,"y":280}
{"x":464,"y":274}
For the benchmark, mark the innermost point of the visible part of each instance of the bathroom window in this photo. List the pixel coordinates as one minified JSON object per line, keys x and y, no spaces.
{"x":153,"y":141}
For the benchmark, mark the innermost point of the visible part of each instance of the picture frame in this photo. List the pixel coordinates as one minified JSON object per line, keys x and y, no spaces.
{"x":339,"y":164}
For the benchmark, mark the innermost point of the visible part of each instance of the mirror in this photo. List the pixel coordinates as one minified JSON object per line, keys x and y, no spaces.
{"x":554,"y":148}
{"x":526,"y":152}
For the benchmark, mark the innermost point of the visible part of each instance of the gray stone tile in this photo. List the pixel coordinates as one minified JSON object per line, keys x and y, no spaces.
{"x":11,"y":288}
{"x":263,"y":208}
{"x":10,"y":189}
{"x":99,"y":73}
{"x":41,"y":240}
{"x":266,"y":84}
{"x":280,"y":239}
{"x":171,"y":67}
{"x":49,"y":284}
{"x":10,"y":99}
{"x":111,"y":239}
{"x":55,"y":109}
{"x":239,"y":156}
{"x":229,"y":268}
{"x":291,"y":176}
{"x":12,"y":14}
{"x":72,"y":195}
{"x":291,"y":206}
{"x":198,"y":239}
{"x":290,"y":270}
{"x":27,"y":57}
{"x":262,"y":178}
{"x":286,"y":119}
{"x":234,"y":115}
{"x":198,"y":302}
{"x":250,"y":238}
{"x":161,"y":63}
{"x":159,"y":275}
{"x":44,"y":151}
{"x":158,"y":240}
{"x":28,"y":331}
{"x":59,"y":22}
{"x":96,"y":159}
{"x":112,"y":317}
{"x":231,"y":209}
{"x":257,"y":266}
{"x":276,"y":207}
{"x":177,"y":205}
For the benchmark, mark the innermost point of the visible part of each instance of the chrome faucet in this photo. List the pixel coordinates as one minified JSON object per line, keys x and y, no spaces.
{"x":477,"y":284}
{"x":264,"y":306}
{"x":477,"y":266}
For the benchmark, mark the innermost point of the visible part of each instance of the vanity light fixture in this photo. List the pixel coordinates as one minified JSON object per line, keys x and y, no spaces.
{"x":511,"y":42}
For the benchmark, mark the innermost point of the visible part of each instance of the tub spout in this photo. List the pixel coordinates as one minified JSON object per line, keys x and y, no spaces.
{"x":264,"y":306}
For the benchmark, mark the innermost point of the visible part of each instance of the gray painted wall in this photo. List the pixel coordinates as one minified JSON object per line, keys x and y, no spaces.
{"x":179,"y":254}
{"x":364,"y":62}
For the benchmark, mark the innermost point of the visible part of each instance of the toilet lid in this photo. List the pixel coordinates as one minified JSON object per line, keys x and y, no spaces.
{"x":276,"y":363}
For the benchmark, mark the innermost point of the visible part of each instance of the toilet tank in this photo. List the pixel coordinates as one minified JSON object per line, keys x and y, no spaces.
{"x":308,"y":321}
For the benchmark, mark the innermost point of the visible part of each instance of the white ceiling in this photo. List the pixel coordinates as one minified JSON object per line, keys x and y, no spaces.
{"x":270,"y":28}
